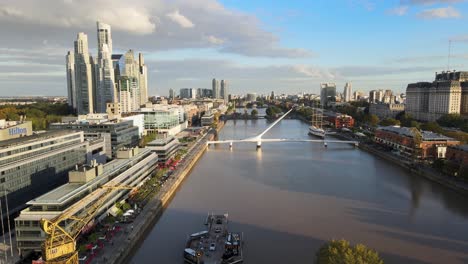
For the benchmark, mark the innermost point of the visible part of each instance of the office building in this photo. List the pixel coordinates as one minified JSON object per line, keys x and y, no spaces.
{"x":251,"y":97}
{"x":447,"y":94}
{"x":347,"y":93}
{"x":224,"y":92}
{"x":131,"y":167}
{"x":215,"y":88}
{"x":14,"y":129}
{"x":188,"y":93}
{"x":164,"y":119}
{"x":376,"y":96}
{"x":327,"y":93}
{"x":33,"y":165}
{"x":80,"y":76}
{"x":207,"y":119}
{"x":142,"y":79}
{"x":165,"y":148}
{"x":104,"y":70}
{"x":386,"y":110}
{"x":123,"y":133}
{"x":204,"y":93}
{"x":171,"y":94}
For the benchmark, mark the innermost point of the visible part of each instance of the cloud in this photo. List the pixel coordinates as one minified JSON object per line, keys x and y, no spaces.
{"x":214,"y":40}
{"x":398,"y":11}
{"x":155,"y":25}
{"x":443,"y":12}
{"x":180,"y":19}
{"x":429,"y":2}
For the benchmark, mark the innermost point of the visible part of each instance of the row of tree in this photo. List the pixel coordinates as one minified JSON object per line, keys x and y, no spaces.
{"x":41,"y":114}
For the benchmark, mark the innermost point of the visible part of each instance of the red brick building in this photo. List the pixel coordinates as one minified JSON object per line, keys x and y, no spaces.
{"x":338,"y":120}
{"x":401,"y":139}
{"x":458,"y":154}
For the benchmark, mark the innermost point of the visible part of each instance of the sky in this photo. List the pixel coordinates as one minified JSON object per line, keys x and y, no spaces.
{"x":258,"y":46}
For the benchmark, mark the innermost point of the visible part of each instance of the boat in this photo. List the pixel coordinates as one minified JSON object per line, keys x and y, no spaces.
{"x":316,"y":131}
{"x":215,"y":245}
{"x":315,"y":128}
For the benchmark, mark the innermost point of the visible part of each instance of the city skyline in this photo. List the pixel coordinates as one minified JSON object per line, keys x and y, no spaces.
{"x":260,"y":47}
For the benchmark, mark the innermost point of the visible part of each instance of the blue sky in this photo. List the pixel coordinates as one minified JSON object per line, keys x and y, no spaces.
{"x":286,"y":46}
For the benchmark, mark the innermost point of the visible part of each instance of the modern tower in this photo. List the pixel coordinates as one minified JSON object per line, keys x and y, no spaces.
{"x":347,"y":93}
{"x":224,"y":91}
{"x":71,"y":91}
{"x":105,"y":82}
{"x":327,"y":93}
{"x":215,"y":87}
{"x":83,"y":76}
{"x":143,"y":79}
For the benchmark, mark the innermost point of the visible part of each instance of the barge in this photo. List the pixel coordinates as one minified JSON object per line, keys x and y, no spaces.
{"x":216,"y":245}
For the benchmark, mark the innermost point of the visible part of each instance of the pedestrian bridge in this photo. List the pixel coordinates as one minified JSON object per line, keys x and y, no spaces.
{"x":258,"y":139}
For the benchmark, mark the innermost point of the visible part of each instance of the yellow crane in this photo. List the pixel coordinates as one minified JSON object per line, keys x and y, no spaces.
{"x":63,"y":230}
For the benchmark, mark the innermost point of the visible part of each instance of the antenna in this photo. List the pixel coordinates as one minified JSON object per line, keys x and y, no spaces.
{"x":449,"y":54}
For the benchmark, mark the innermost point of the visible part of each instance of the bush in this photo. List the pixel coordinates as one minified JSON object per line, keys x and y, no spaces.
{"x":341,"y":252}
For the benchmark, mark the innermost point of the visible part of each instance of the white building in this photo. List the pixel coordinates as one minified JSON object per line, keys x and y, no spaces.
{"x":224,"y":91}
{"x":347,"y":93}
{"x":105,"y":82}
{"x":215,"y":88}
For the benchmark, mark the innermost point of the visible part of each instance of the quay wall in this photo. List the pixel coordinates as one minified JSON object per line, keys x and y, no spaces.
{"x":150,"y":214}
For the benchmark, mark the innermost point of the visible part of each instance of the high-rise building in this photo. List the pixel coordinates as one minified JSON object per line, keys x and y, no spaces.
{"x":224,"y":91}
{"x":71,"y":91}
{"x":171,"y":94}
{"x":447,"y":94}
{"x":251,"y":97}
{"x":188,"y":93}
{"x":105,"y":82}
{"x":127,"y":77}
{"x":142,"y":79}
{"x":204,"y":93}
{"x":376,"y":96}
{"x":80,"y":76}
{"x":327,"y":93}
{"x":347,"y":93}
{"x":215,"y":88}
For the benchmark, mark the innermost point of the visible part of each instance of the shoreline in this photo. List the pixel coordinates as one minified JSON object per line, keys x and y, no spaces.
{"x":150,"y":215}
{"x":422,"y":171}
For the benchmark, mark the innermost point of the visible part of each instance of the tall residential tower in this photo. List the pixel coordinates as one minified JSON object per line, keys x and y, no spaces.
{"x":105,"y":82}
{"x":80,"y":76}
{"x":224,"y":91}
{"x":215,"y":87}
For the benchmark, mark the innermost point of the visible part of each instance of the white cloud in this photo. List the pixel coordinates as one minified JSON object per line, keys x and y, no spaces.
{"x":180,"y":19}
{"x":214,"y":40}
{"x":429,"y":2}
{"x":443,"y":12}
{"x":398,"y":11}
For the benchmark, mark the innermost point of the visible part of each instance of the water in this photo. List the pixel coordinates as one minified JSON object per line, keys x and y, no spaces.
{"x":289,"y":198}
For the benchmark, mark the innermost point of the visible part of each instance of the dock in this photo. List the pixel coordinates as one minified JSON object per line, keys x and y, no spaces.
{"x":216,"y":245}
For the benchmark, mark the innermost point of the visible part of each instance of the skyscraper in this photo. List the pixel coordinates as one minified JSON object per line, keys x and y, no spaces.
{"x":224,"y":91}
{"x":171,"y":94}
{"x":143,"y":79}
{"x":347,"y":93}
{"x":105,"y":82}
{"x":81,"y":81}
{"x":327,"y":93}
{"x":215,"y":87}
{"x":71,"y":91}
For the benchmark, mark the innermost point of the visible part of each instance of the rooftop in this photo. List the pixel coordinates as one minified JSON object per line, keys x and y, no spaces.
{"x":426,"y":135}
{"x":39,"y":136}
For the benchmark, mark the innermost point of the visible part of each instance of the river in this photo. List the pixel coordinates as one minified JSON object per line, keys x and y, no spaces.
{"x":289,"y":198}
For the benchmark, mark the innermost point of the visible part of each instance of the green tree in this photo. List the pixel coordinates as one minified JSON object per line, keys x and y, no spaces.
{"x":373,"y":120}
{"x":451,"y":120}
{"x":432,"y":126}
{"x":341,"y":252}
{"x":254,"y":113}
{"x":390,"y":122}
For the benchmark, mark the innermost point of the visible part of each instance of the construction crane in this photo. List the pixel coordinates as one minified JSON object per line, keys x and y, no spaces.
{"x":60,"y":244}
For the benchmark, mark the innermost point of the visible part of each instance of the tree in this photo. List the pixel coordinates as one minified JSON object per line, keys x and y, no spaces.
{"x":373,"y":120}
{"x":432,"y":126}
{"x":451,"y":120}
{"x":390,"y":122}
{"x":254,"y":113}
{"x":341,"y":252}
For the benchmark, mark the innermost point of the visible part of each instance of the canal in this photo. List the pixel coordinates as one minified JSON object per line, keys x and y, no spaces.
{"x":289,"y":198}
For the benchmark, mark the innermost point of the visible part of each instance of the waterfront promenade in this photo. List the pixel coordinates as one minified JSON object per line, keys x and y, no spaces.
{"x":127,"y":240}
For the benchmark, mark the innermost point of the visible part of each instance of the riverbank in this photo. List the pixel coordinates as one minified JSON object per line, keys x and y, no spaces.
{"x":419,"y":169}
{"x":122,"y":249}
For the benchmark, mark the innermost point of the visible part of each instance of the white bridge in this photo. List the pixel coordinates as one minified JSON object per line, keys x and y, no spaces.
{"x":258,"y":139}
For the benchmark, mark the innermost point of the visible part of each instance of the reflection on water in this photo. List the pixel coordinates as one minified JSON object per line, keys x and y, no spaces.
{"x":288,"y":198}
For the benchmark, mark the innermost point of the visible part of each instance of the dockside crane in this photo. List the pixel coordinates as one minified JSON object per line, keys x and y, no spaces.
{"x":63,"y":230}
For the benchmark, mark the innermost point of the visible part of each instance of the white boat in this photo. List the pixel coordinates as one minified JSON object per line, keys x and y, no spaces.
{"x":316,"y":131}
